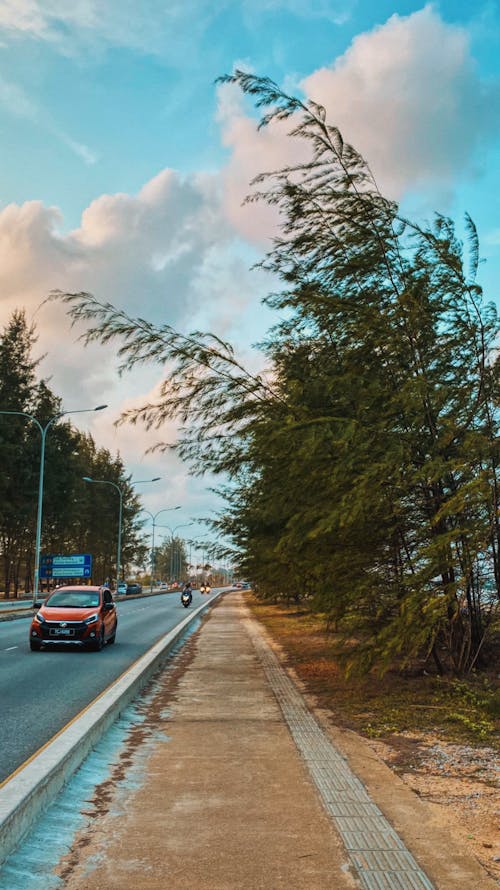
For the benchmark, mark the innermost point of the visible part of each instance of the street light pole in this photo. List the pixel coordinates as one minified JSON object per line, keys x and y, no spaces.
{"x":172,"y":531}
{"x":153,"y":517}
{"x":44,"y":430}
{"x":196,"y":542}
{"x":120,"y":493}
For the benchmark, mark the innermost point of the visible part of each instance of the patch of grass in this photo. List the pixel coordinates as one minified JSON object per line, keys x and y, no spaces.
{"x":465,"y":711}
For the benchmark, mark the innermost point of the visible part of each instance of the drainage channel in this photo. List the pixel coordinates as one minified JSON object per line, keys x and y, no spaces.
{"x":376,"y":851}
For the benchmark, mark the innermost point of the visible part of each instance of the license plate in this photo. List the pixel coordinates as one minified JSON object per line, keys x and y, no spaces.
{"x":61,"y":632}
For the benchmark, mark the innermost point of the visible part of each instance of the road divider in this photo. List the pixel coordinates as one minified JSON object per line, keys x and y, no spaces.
{"x":26,"y":611}
{"x":30,"y":789}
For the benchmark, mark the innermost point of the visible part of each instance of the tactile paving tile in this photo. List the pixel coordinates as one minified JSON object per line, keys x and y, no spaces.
{"x":376,"y":851}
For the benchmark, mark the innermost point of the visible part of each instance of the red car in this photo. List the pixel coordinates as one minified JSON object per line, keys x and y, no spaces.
{"x":75,"y":616}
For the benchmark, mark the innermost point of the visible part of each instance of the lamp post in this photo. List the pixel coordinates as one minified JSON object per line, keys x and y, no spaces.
{"x":195,"y":542}
{"x":153,"y":517}
{"x":120,"y":493}
{"x":43,"y":431}
{"x":172,"y":532}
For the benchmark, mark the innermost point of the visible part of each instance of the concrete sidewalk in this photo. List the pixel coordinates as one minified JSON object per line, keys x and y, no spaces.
{"x":240,"y":788}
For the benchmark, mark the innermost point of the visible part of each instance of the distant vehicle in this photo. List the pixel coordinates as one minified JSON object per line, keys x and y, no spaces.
{"x":133,"y":588}
{"x":121,"y":588}
{"x":77,"y":616}
{"x":163,"y":585}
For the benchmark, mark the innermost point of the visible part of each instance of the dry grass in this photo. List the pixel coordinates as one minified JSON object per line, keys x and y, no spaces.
{"x":465,"y":711}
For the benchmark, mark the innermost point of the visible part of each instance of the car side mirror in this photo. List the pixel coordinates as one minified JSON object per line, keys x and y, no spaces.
{"x":108,"y":607}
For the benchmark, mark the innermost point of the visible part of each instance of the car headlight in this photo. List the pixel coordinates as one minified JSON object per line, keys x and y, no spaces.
{"x":39,"y":617}
{"x":91,"y":619}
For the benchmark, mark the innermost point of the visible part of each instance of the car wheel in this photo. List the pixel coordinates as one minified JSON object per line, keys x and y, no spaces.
{"x":99,"y":643}
{"x":34,"y":646}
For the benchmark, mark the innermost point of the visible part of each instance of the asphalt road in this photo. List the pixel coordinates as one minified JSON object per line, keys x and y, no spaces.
{"x":41,"y":691}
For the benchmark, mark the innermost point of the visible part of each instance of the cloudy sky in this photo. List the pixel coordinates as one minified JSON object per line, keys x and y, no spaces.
{"x":124,"y":166}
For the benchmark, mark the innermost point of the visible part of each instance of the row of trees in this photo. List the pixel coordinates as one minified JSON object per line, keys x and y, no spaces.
{"x":77,"y":517}
{"x":363,"y":465}
{"x":174,"y":559}
{"x":170,"y":559}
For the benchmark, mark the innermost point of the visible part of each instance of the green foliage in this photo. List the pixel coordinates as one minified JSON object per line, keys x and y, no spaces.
{"x":408,"y":701}
{"x":363,"y":462}
{"x":171,"y":559}
{"x":75,"y":518}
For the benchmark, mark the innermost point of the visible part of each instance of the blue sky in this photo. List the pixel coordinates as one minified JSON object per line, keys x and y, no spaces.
{"x":123,"y":165}
{"x":86,"y":110}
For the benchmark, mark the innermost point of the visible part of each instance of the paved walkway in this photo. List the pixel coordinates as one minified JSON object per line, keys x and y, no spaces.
{"x":241,"y":788}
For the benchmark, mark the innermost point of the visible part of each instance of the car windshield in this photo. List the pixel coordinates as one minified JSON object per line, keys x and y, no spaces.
{"x":73,"y":599}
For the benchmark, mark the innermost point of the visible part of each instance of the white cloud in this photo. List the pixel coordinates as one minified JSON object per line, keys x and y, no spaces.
{"x":409,"y":97}
{"x":150,"y":25}
{"x":16,"y":101}
{"x":336,"y":12}
{"x":406,"y":94}
{"x":252,"y":152}
{"x":25,"y":16}
{"x":166,"y":254}
{"x":82,"y":151}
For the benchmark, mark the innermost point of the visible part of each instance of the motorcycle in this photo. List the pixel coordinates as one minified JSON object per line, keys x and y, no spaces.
{"x":205,"y":588}
{"x":186,"y":598}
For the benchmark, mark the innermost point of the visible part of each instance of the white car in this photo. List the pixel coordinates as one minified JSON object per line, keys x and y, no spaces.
{"x":121,"y":588}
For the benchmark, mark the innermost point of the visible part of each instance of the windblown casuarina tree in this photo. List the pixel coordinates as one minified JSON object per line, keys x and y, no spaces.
{"x":363,"y":466}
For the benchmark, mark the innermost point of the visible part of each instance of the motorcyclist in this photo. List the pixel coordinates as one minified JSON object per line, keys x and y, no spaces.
{"x":188,"y":588}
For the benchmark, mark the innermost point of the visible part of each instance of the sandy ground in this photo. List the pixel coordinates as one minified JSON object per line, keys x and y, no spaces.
{"x":461,"y":782}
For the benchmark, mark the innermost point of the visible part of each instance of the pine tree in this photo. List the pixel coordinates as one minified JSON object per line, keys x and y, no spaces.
{"x":363,"y":467}
{"x":19,"y":443}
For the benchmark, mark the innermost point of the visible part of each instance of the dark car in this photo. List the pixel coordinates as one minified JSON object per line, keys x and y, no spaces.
{"x":133,"y":588}
{"x":77,"y":616}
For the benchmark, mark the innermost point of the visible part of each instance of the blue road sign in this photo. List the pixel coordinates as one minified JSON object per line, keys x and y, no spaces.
{"x":78,"y":565}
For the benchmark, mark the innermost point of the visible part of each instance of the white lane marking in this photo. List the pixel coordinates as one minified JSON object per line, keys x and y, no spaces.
{"x":11,"y":647}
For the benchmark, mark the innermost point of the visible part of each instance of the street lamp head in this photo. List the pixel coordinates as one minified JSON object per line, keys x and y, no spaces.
{"x":87,"y":479}
{"x":156,"y":479}
{"x":100,"y":407}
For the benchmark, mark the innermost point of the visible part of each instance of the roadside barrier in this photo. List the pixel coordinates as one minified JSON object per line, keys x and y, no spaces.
{"x":27,"y":611}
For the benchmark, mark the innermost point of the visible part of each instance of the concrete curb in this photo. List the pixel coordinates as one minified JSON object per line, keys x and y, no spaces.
{"x":32,"y":787}
{"x":17,"y":613}
{"x":28,"y":611}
